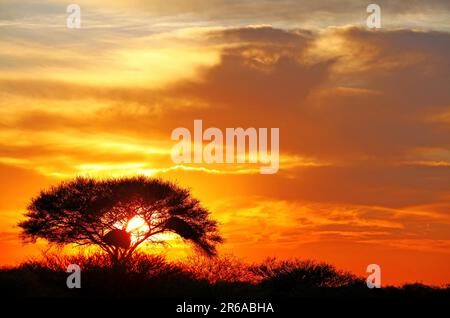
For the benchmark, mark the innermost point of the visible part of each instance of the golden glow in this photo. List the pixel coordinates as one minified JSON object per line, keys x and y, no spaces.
{"x":137,"y":225}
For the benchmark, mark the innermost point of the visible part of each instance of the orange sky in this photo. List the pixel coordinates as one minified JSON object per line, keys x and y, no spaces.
{"x":363,"y":115}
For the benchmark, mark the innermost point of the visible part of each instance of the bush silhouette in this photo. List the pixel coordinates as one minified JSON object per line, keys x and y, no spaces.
{"x":225,"y":269}
{"x":152,"y":276}
{"x":287,"y":276}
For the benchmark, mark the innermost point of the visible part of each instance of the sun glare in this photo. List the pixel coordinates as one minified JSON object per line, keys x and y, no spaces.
{"x":138,"y":227}
{"x":137,"y":224}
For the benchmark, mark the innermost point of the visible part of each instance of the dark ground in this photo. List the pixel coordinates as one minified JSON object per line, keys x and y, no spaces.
{"x":151,"y":281}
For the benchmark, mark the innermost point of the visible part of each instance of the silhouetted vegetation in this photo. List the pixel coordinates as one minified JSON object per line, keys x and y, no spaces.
{"x":155,"y":277}
{"x":98,"y":212}
{"x":89,"y":211}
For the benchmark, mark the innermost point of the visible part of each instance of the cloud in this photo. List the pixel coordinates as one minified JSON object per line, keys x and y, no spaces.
{"x":292,"y":13}
{"x":344,"y":104}
{"x":318,"y":222}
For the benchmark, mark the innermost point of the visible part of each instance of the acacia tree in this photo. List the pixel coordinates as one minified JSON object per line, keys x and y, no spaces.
{"x":87,"y":211}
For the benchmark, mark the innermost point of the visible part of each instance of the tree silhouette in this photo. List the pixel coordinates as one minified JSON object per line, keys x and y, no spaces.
{"x":87,"y":211}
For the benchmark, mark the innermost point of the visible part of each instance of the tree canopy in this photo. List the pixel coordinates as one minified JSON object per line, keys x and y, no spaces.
{"x":88,"y":211}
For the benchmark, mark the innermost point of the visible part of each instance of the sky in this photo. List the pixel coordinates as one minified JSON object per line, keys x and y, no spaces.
{"x":363,"y":114}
